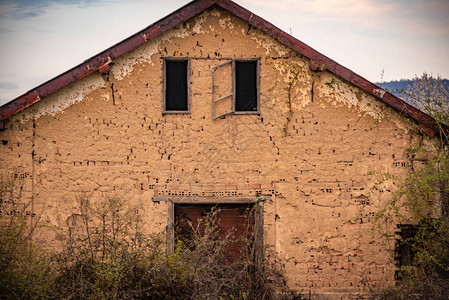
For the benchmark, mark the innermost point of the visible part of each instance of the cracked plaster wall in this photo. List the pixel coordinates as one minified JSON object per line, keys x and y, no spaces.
{"x":311,"y":148}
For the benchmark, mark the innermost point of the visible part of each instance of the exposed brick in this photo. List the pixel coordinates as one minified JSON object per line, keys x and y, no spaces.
{"x":184,"y":186}
{"x":231,"y":187}
{"x":208,"y":187}
{"x":173,"y":186}
{"x":242,"y":186}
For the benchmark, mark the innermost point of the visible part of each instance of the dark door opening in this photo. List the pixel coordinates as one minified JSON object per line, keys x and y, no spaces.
{"x":404,"y":249}
{"x":234,"y":222}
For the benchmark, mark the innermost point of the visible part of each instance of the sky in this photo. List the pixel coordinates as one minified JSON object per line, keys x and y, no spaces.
{"x":381,"y":40}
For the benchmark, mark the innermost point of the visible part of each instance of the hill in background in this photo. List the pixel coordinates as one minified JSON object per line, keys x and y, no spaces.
{"x":396,"y":87}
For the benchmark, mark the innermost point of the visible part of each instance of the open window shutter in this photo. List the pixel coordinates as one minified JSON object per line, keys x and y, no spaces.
{"x":222,"y":90}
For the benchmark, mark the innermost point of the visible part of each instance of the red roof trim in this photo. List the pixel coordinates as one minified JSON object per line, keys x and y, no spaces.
{"x":183,"y":14}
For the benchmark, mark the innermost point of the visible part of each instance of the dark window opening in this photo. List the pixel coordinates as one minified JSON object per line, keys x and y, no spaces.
{"x":176,"y":86}
{"x":246,"y":91}
{"x":234,"y":222}
{"x":238,"y":93}
{"x":404,"y":250}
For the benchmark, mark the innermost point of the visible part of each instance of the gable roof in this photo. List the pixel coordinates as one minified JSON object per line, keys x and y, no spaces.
{"x":317,"y":62}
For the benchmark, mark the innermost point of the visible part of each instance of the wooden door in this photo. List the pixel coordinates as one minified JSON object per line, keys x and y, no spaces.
{"x":235,"y":222}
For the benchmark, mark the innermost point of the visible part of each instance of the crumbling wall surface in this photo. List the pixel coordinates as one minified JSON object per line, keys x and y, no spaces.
{"x":310,"y":149}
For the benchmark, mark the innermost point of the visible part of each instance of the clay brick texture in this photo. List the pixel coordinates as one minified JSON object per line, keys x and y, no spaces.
{"x":308,"y":151}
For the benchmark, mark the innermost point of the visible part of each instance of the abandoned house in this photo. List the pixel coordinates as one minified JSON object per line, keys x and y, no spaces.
{"x":213,"y":105}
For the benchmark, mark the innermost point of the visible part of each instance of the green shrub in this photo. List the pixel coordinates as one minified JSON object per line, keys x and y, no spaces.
{"x":24,"y":272}
{"x":424,"y":193}
{"x":107,"y":256}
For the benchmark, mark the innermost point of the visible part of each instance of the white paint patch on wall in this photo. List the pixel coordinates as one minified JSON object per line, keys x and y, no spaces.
{"x":57,"y":102}
{"x":338,"y":92}
{"x":124,"y":65}
{"x":272,"y":47}
{"x":226,"y":23}
{"x":295,"y":73}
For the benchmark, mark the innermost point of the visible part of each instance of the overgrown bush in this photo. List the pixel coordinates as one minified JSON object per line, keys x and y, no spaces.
{"x":428,"y":275}
{"x":107,"y":256}
{"x":24,"y":272}
{"x":424,"y":192}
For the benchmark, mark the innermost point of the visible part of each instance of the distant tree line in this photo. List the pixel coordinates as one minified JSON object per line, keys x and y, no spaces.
{"x":398,"y":87}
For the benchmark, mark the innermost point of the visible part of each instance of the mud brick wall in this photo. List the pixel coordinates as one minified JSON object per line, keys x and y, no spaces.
{"x":311,"y":149}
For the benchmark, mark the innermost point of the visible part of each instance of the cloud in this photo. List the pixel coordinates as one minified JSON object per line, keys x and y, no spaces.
{"x":9,"y":91}
{"x":426,"y":16}
{"x":23,"y":9}
{"x":336,"y":8}
{"x":8,"y":86}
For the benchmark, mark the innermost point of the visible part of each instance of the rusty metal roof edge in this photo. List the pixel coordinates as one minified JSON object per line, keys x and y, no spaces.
{"x":183,"y":14}
{"x":97,"y":61}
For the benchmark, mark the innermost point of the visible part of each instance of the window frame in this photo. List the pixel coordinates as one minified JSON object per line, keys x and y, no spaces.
{"x":172,"y":200}
{"x":234,"y":76}
{"x":404,"y":252}
{"x":234,"y":93}
{"x":164,"y":85}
